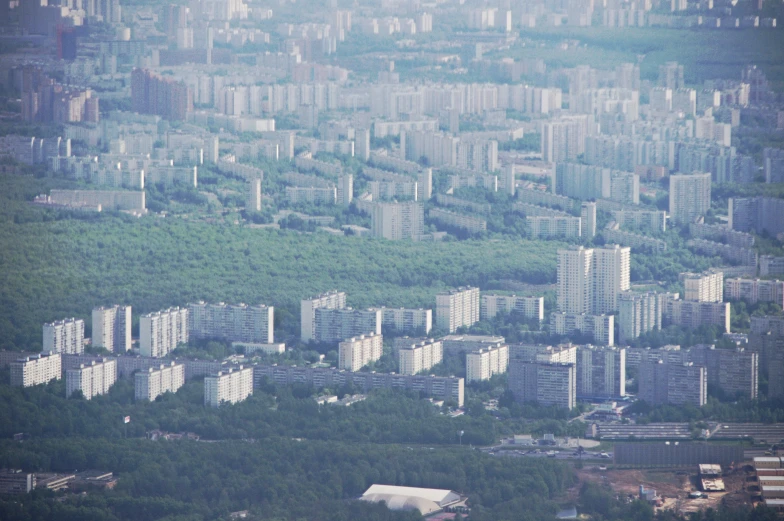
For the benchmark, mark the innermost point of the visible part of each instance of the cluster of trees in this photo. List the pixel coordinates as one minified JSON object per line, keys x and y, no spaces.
{"x":741,"y":410}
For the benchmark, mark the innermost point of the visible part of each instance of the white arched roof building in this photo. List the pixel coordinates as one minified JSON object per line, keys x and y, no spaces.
{"x":426,"y":500}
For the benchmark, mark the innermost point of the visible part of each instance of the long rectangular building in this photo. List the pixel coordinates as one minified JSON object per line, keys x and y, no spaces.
{"x":419,"y":357}
{"x":240,"y":322}
{"x":450,"y":388}
{"x":161,"y":332}
{"x":153,"y":382}
{"x":409,"y":321}
{"x":91,"y":379}
{"x":228,"y":387}
{"x":754,"y":290}
{"x":527,"y":306}
{"x":696,"y":314}
{"x":335,"y":325}
{"x":356,"y":352}
{"x":64,"y":336}
{"x":549,"y":384}
{"x":482,"y":364}
{"x":600,"y":327}
{"x":674,"y":384}
{"x":36,"y":370}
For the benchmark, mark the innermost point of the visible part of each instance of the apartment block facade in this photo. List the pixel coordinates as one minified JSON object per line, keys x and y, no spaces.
{"x":234,"y":322}
{"x":112,"y":328}
{"x":601,"y":372}
{"x":407,"y":320}
{"x":64,"y":336}
{"x":329,"y":300}
{"x":690,"y":196}
{"x":703,"y":287}
{"x":672,"y":383}
{"x":527,"y":306}
{"x":638,"y":313}
{"x":548,"y":384}
{"x":161,"y":332}
{"x":734,"y":371}
{"x":695,"y":314}
{"x":356,"y":352}
{"x":754,"y":290}
{"x":335,"y":325}
{"x":228,"y":387}
{"x":457,"y":308}
{"x":421,"y":356}
{"x":482,"y":364}
{"x":153,"y":382}
{"x":589,"y":280}
{"x":36,"y":370}
{"x":396,"y":221}
{"x":600,"y":327}
{"x":93,"y":379}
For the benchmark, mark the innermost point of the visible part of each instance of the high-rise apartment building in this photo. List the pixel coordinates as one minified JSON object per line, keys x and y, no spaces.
{"x":695,"y":314}
{"x":64,"y":336}
{"x":457,"y":308}
{"x":234,"y":322}
{"x":601,"y":372}
{"x":356,"y":352}
{"x":671,"y":76}
{"x":690,"y":196}
{"x":672,"y":383}
{"x":734,"y":371}
{"x":564,"y":139}
{"x":756,"y":214}
{"x":253,"y":202}
{"x":590,"y":280}
{"x":161,"y":332}
{"x":154,"y":94}
{"x":112,"y":328}
{"x":330,"y":300}
{"x":421,"y":356}
{"x":594,"y":182}
{"x":230,"y":386}
{"x":409,"y":321}
{"x":544,"y":383}
{"x":335,"y":325}
{"x":36,"y":370}
{"x":153,"y":382}
{"x":560,"y":354}
{"x":707,"y":286}
{"x":638,"y":313}
{"x":529,"y":307}
{"x":601,"y":328}
{"x":482,"y":364}
{"x":91,"y":379}
{"x":755,"y":290}
{"x":588,"y":219}
{"x":395,"y":221}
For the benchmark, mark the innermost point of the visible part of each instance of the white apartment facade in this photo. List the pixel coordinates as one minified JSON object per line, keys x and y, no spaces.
{"x":420,"y":356}
{"x":704,"y":287}
{"x":356,"y":352}
{"x":690,"y":196}
{"x":329,"y":300}
{"x":161,"y":332}
{"x":407,"y":320}
{"x":64,"y":336}
{"x":482,"y":364}
{"x":112,"y":328}
{"x":91,"y":379}
{"x":36,"y":370}
{"x":234,"y":322}
{"x":153,"y":382}
{"x":231,"y":386}
{"x":457,"y":308}
{"x":528,"y":306}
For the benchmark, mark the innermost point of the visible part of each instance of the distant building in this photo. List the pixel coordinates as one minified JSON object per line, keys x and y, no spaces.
{"x":161,"y":332}
{"x":482,"y":364}
{"x":407,"y":320}
{"x":457,"y":308}
{"x":690,"y":196}
{"x":238,"y":322}
{"x":356,"y":352}
{"x":150,"y":384}
{"x":754,"y":290}
{"x":154,"y":94}
{"x":112,"y":328}
{"x":588,"y":219}
{"x":638,"y":313}
{"x":528,"y":307}
{"x":544,"y":383}
{"x":703,"y":287}
{"x":600,"y":327}
{"x":64,"y":336}
{"x":560,"y":354}
{"x":590,"y":279}
{"x":674,"y":384}
{"x":601,"y":372}
{"x":91,"y":379}
{"x":734,"y":371}
{"x":465,"y":343}
{"x":422,"y":356}
{"x":253,"y":202}
{"x":695,"y":314}
{"x":36,"y":370}
{"x":330,"y":300}
{"x":395,"y":221}
{"x":16,"y":482}
{"x":770,"y":265}
{"x":230,"y":386}
{"x":334,"y":325}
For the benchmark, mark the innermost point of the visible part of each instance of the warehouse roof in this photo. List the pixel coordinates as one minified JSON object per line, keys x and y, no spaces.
{"x":426,"y":500}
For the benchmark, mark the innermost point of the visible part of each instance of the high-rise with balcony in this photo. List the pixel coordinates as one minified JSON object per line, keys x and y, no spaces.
{"x":707,"y":286}
{"x":421,"y":356}
{"x":601,"y":372}
{"x":483,"y":364}
{"x":395,"y":221}
{"x":161,"y":332}
{"x":690,"y":196}
{"x":527,"y":306}
{"x":64,"y":336}
{"x":155,"y":381}
{"x":356,"y":352}
{"x":457,"y":308}
{"x":112,"y":328}
{"x":91,"y":379}
{"x":234,"y":322}
{"x":329,"y":300}
{"x":672,"y":383}
{"x":228,"y":387}
{"x":409,"y":321}
{"x":545,"y":383}
{"x":638,"y":313}
{"x":590,"y":280}
{"x":36,"y":370}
